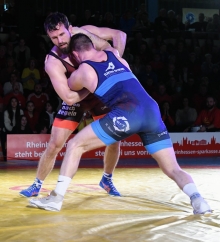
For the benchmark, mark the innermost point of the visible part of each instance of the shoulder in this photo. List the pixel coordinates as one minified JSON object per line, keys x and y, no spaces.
{"x":52,"y":64}
{"x":113,"y":50}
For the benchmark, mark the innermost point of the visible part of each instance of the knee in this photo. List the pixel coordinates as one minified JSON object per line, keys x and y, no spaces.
{"x":77,"y":146}
{"x":172,"y":173}
{"x":114,"y":147}
{"x":54,"y":146}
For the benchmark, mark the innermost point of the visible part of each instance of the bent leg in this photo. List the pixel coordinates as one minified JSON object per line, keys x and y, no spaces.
{"x":57,"y":140}
{"x":111,"y":156}
{"x":166,"y":160}
{"x":82,"y":142}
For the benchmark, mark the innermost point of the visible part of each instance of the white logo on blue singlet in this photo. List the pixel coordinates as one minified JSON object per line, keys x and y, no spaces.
{"x":121,"y":124}
{"x":111,"y":66}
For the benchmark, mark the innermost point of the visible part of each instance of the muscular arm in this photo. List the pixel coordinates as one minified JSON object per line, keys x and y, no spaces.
{"x":99,"y":44}
{"x":117,"y":37}
{"x":58,"y":78}
{"x":83,"y":77}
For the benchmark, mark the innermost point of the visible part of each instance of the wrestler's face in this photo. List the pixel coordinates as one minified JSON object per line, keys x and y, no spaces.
{"x":60,"y":37}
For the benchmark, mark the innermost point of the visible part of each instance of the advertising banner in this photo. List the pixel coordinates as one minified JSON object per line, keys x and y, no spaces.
{"x":31,"y":147}
{"x":192,"y":14}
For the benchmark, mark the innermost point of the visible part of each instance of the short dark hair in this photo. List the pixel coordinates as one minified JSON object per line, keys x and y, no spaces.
{"x":80,"y":42}
{"x":53,"y":19}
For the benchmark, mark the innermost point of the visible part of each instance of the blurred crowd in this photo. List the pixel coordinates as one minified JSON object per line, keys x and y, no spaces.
{"x":177,"y":69}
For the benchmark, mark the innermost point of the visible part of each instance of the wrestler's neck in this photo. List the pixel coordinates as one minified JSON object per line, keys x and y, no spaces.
{"x":93,"y":55}
{"x":59,"y":53}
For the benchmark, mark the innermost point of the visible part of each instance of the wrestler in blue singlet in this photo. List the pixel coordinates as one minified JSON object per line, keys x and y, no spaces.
{"x":133,"y":110}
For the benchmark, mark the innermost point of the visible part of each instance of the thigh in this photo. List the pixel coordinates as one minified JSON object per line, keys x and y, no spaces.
{"x":86,"y":139}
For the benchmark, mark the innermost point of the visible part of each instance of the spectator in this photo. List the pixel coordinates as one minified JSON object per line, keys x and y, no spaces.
{"x":86,"y":18}
{"x":199,"y":26}
{"x":5,"y":74}
{"x":108,"y":21}
{"x":189,"y":88}
{"x":207,"y":47}
{"x":214,"y":76}
{"x":42,"y":128}
{"x":170,"y":71}
{"x":136,"y":42}
{"x":215,"y":54}
{"x":157,"y":64}
{"x":16,"y":86}
{"x":171,"y":85}
{"x":171,"y":21}
{"x":199,"y":98}
{"x":158,"y":41}
{"x":32,"y":116}
{"x":148,"y":85}
{"x":48,"y":115}
{"x":10,"y":50}
{"x":207,"y":65}
{"x":181,"y":54}
{"x":209,"y":118}
{"x":8,"y":86}
{"x":87,"y":119}
{"x":30,"y":77}
{"x":73,"y":20}
{"x":3,"y":57}
{"x":127,"y":22}
{"x":41,"y":51}
{"x":11,"y":117}
{"x":146,"y":73}
{"x":38,"y":97}
{"x":160,"y":22}
{"x":22,"y":52}
{"x":180,"y":25}
{"x":13,"y":37}
{"x":194,"y":64}
{"x":185,"y":116}
{"x":167,"y":116}
{"x":214,"y":26}
{"x":164,"y":55}
{"x":136,"y":66}
{"x":184,"y":73}
{"x":22,"y":126}
{"x":142,"y":23}
{"x":160,"y":96}
{"x":12,"y":114}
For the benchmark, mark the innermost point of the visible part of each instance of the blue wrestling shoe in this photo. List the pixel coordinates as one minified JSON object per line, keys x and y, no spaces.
{"x":107,"y":184}
{"x":33,"y":190}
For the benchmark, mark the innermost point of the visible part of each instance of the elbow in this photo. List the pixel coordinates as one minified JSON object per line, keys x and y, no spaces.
{"x":123,"y":35}
{"x":69,"y":101}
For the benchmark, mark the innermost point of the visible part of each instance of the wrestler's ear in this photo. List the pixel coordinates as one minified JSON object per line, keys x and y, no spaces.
{"x":70,"y":28}
{"x":76,"y":55}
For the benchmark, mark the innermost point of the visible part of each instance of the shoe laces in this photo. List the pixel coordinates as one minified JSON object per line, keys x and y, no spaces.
{"x":33,"y":187}
{"x":111,"y":185}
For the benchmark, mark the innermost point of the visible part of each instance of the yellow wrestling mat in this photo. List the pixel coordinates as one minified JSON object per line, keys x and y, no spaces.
{"x":152,"y":208}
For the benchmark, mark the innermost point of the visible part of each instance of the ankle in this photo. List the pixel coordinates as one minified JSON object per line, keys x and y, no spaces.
{"x":107,"y":175}
{"x":194,"y":196}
